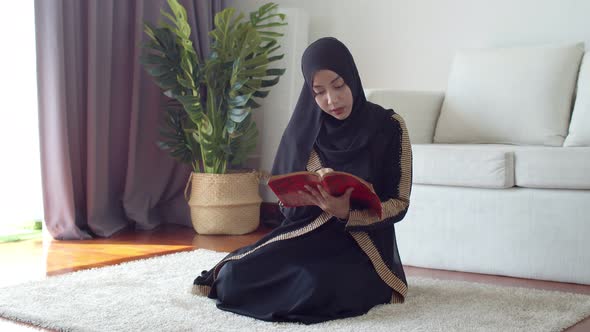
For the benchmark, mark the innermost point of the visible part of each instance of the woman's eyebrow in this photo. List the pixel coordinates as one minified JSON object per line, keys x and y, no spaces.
{"x":334,"y":80}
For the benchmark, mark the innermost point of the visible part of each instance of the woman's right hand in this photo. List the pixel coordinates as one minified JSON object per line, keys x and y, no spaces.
{"x":338,"y":206}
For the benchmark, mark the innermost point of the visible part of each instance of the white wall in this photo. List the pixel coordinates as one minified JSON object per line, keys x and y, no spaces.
{"x":409,"y":44}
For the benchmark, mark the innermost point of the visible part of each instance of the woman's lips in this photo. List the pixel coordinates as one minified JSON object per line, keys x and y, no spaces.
{"x":338,"y":111}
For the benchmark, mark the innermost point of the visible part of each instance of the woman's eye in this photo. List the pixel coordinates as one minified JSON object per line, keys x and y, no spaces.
{"x":340,"y":86}
{"x":318,"y":93}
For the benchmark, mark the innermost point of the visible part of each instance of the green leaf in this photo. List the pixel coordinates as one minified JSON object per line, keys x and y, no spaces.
{"x":272,"y":43}
{"x":275,"y":58}
{"x":271,"y":50}
{"x":147,"y":28}
{"x":166,"y":81}
{"x":254,"y":83}
{"x":261,"y":93}
{"x":239,"y":101}
{"x":188,"y":84}
{"x":238,"y":85}
{"x":152,"y":59}
{"x":257,"y":61}
{"x":275,"y":71}
{"x":189,"y":100}
{"x":238,"y":114}
{"x":270,"y":25}
{"x":165,"y":38}
{"x":230,"y":126}
{"x":158,"y":70}
{"x":174,"y":140}
{"x":245,"y":90}
{"x":252,"y":104}
{"x":254,"y":72}
{"x":269,"y":83}
{"x":244,"y":143}
{"x":270,"y":33}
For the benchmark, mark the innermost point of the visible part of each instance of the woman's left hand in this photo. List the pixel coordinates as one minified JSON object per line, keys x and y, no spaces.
{"x":336,"y":206}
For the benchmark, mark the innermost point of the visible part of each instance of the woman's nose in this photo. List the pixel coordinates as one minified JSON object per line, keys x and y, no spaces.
{"x":332,"y":98}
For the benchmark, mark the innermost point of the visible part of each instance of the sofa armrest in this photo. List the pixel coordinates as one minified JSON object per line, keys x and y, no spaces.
{"x":420,"y":110}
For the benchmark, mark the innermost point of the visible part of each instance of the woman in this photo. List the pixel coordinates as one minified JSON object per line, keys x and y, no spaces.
{"x":332,"y":259}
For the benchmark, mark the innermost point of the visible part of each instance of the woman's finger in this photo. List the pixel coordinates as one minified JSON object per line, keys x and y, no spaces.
{"x":315,"y":193}
{"x":310,"y":198}
{"x":323,"y":192}
{"x":315,"y":197}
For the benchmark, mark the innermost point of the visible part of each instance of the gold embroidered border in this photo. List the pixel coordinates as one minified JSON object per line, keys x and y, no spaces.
{"x":399,"y":288}
{"x":396,"y":298}
{"x":363,"y":218}
{"x":391,"y":208}
{"x":202,"y":290}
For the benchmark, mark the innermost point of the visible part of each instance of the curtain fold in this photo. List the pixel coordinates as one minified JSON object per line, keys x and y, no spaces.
{"x":99,"y":114}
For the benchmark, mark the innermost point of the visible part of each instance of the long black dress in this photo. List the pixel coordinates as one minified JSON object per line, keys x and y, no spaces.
{"x":314,"y":267}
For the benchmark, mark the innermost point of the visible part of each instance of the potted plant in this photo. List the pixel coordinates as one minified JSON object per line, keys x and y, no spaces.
{"x":209,"y":114}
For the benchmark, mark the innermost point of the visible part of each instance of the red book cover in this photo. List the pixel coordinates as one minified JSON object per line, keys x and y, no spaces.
{"x":286,"y":188}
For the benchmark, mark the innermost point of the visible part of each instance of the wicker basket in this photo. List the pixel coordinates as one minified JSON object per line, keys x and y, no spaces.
{"x":225,"y":203}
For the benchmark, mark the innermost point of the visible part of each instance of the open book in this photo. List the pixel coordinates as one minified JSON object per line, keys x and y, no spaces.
{"x":286,"y":187}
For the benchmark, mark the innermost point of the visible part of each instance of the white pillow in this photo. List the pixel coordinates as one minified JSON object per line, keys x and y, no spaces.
{"x":419,"y":109}
{"x":579,"y":134}
{"x":510,"y":95}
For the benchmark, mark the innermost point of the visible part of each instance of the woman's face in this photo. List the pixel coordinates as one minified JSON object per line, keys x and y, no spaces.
{"x":332,"y":94}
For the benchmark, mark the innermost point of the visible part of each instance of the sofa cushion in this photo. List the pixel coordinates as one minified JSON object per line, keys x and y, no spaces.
{"x":579,"y":133}
{"x":510,"y":95}
{"x":468,"y":165}
{"x":419,"y":109}
{"x":552,"y":167}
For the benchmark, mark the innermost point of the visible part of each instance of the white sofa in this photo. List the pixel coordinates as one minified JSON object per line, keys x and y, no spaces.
{"x":501,"y":165}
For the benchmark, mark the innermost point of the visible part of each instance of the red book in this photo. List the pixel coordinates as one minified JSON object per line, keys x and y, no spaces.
{"x":286,"y":187}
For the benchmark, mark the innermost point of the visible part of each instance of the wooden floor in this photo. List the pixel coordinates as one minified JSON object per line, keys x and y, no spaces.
{"x":34,"y":259}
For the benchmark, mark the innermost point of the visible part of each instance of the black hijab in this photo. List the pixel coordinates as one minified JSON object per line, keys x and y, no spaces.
{"x":343,"y":145}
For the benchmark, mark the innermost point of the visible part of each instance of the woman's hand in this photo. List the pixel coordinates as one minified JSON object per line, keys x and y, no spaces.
{"x":336,"y":206}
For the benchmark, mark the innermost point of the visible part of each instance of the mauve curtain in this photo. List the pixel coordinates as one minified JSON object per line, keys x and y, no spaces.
{"x":99,"y":114}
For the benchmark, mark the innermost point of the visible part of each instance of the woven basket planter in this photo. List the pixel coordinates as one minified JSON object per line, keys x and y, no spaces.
{"x":225,"y":203}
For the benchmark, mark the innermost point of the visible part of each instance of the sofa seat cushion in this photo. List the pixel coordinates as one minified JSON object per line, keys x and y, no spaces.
{"x":552,"y":167}
{"x":468,"y":165}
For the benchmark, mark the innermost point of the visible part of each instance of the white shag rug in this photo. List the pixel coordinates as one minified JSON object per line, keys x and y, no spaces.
{"x":154,"y":295}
